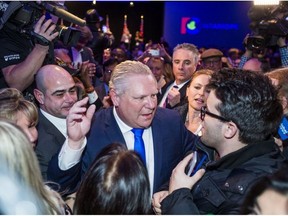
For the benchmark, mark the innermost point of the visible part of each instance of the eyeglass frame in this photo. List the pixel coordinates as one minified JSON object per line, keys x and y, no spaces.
{"x":203,"y":112}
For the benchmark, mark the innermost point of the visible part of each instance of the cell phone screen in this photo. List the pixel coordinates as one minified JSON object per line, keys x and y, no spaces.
{"x":192,"y":164}
{"x":197,"y":162}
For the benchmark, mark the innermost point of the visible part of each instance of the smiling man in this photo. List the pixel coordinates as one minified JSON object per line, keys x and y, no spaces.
{"x":133,"y":90}
{"x":56,"y":94}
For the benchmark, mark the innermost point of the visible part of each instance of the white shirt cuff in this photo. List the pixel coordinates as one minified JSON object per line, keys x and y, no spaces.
{"x":68,"y":157}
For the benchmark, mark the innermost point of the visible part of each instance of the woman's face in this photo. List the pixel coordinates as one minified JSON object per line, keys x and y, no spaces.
{"x":197,"y":92}
{"x":28,"y":127}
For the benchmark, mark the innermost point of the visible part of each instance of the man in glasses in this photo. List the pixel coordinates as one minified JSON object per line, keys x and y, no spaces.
{"x":242,"y":112}
{"x":212,"y":59}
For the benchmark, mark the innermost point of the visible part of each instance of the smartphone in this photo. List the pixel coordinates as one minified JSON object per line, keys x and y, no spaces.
{"x":192,"y":164}
{"x":154,"y":52}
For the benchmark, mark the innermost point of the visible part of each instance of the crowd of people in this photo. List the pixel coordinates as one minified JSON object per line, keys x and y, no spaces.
{"x":109,"y":128}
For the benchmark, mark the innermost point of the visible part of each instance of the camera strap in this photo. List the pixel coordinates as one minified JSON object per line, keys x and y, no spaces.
{"x":39,"y":39}
{"x":12,"y":7}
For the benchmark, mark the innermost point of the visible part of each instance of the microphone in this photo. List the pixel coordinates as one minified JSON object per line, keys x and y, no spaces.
{"x":63,"y":14}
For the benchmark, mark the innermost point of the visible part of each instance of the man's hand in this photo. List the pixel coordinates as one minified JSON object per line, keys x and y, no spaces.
{"x":79,"y":122}
{"x":281,"y":42}
{"x":45,"y":29}
{"x":107,"y":102}
{"x":179,"y":179}
{"x":157,"y":199}
{"x":173,"y":97}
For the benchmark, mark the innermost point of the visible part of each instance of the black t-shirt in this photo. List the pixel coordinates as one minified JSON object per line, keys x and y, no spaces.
{"x":14,"y":47}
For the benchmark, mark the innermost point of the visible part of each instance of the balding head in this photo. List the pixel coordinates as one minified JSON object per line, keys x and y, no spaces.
{"x":255,"y":64}
{"x":48,"y":74}
{"x":56,"y":91}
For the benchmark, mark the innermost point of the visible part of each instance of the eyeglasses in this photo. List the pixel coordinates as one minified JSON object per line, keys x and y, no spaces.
{"x":212,"y":62}
{"x":204,"y":112}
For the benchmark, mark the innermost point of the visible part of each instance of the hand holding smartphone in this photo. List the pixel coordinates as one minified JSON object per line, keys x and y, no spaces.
{"x":154,"y":52}
{"x":197,"y":162}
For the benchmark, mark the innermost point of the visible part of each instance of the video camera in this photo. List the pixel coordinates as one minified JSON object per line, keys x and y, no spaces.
{"x":22,"y":16}
{"x":268,"y":23}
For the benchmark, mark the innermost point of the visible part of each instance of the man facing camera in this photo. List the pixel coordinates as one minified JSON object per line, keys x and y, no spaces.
{"x":162,"y":140}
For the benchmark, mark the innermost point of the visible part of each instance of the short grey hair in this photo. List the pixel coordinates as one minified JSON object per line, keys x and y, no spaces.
{"x":189,"y":47}
{"x":122,"y":71}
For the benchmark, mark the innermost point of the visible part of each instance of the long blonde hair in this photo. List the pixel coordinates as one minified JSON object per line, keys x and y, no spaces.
{"x":18,"y":154}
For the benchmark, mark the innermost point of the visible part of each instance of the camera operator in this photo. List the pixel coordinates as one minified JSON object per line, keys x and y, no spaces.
{"x":269,"y":28}
{"x":257,"y":58}
{"x":21,"y":58}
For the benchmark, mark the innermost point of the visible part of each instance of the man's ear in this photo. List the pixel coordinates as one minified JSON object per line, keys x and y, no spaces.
{"x":231,"y":130}
{"x":114,"y":97}
{"x":39,"y":96}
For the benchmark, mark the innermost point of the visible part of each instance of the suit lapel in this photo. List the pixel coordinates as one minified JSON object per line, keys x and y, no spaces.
{"x":51,"y":129}
{"x":112,"y":129}
{"x":158,"y":146}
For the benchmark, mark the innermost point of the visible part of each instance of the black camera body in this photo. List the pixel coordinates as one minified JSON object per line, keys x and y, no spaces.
{"x":24,"y":19}
{"x":267,"y":25}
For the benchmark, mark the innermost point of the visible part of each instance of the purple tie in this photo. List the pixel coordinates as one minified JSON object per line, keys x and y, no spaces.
{"x":139,"y":143}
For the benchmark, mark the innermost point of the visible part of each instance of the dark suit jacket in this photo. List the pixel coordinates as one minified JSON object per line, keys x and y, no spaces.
{"x":171,"y":142}
{"x":50,"y":140}
{"x":101,"y":91}
{"x":182,"y":91}
{"x":85,"y":54}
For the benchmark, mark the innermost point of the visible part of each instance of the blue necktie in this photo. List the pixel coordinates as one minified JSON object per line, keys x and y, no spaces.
{"x":139,"y":143}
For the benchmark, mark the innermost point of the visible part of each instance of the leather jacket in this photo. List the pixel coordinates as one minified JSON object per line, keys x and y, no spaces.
{"x":223,"y":187}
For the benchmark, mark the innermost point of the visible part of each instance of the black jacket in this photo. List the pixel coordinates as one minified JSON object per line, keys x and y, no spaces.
{"x":223,"y":187}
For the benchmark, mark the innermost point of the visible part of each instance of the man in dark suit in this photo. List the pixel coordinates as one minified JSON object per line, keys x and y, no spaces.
{"x":185,"y":59}
{"x":133,"y":90}
{"x":56,"y":94}
{"x":108,"y":66}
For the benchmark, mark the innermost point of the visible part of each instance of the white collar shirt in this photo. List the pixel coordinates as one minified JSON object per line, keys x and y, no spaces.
{"x":148,"y":143}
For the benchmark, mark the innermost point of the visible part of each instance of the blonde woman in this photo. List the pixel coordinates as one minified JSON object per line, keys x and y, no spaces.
{"x":20,"y":111}
{"x":17,"y":153}
{"x":197,"y":94}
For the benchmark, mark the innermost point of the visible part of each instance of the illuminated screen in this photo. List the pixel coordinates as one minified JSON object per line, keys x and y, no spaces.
{"x":207,"y":24}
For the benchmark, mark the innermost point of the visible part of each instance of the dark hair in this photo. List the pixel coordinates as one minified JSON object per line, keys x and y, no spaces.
{"x":116,"y":183}
{"x":248,"y":99}
{"x":110,"y":62}
{"x":277,"y":181}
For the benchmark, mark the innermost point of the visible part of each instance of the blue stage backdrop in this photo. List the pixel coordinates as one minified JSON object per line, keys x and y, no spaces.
{"x":220,"y":25}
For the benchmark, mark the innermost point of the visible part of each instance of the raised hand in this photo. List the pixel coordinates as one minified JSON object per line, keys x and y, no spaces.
{"x":45,"y":29}
{"x":179,"y":179}
{"x":79,"y":122}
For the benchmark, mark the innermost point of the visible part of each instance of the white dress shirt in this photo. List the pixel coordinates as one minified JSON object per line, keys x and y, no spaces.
{"x":148,"y":143}
{"x":168,"y":89}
